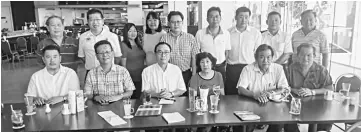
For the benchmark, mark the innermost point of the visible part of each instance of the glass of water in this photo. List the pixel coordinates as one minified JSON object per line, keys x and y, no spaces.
{"x":17,"y":119}
{"x":295,"y":106}
{"x":345,"y":90}
{"x":199,"y":106}
{"x":214,"y":104}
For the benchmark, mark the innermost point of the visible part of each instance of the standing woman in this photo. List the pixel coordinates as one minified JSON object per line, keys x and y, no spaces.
{"x":152,"y":35}
{"x":133,"y":56}
{"x":68,"y":48}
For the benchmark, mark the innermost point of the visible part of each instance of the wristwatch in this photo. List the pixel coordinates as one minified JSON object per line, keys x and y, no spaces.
{"x":313,"y":92}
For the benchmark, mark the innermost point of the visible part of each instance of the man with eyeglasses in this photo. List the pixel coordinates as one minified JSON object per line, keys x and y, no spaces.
{"x":184,"y":46}
{"x":108,"y":82}
{"x":213,"y":39}
{"x":98,"y":31}
{"x":163,"y":79}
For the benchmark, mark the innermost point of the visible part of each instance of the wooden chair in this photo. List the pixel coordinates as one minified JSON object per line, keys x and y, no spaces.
{"x":5,"y":46}
{"x":34,"y":41}
{"x":22,"y":46}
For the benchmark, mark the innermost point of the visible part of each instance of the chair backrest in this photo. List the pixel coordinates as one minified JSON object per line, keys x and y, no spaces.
{"x":348,"y":78}
{"x":5,"y":47}
{"x":21,"y":41}
{"x":34,"y":40}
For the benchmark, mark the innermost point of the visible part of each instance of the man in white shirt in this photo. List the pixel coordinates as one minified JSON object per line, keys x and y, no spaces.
{"x":214,"y":40}
{"x":244,"y":41}
{"x":262,"y":77}
{"x":163,"y":79}
{"x":97,"y":32}
{"x":52,"y":84}
{"x":278,"y":40}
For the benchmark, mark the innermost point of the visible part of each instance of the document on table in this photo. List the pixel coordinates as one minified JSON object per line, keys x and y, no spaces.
{"x":246,"y":115}
{"x":173,"y":117}
{"x":111,"y":118}
{"x":166,"y":101}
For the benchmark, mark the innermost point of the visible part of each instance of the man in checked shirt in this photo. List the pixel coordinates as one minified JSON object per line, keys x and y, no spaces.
{"x":108,"y":82}
{"x":184,"y":46}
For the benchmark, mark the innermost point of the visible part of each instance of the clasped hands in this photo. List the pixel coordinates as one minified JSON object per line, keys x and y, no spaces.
{"x":303,"y":92}
{"x":165,"y":94}
{"x":42,"y":101}
{"x":106,"y":99}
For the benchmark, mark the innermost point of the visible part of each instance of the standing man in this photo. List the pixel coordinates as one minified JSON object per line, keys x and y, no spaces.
{"x":309,"y":34}
{"x":214,"y":40}
{"x":244,"y":42}
{"x":278,"y":40}
{"x":184,"y":46}
{"x":97,"y":32}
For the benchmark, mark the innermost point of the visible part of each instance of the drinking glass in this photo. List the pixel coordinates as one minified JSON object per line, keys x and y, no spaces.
{"x":17,"y":119}
{"x":147,"y":97}
{"x":192,"y":97}
{"x":128,"y":111}
{"x":214,"y":104}
{"x":199,"y":106}
{"x":295,"y":106}
{"x":345,"y":90}
{"x":217,"y":90}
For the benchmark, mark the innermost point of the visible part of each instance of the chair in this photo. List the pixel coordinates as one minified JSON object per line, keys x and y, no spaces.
{"x":34,"y":41}
{"x":22,"y":46}
{"x":42,"y":36}
{"x":5,"y":46}
{"x":351,"y":78}
{"x":354,"y":127}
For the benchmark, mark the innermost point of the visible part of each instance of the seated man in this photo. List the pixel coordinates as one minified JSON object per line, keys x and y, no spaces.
{"x":107,"y":82}
{"x":52,"y":84}
{"x":163,"y":79}
{"x":308,"y":78}
{"x":260,"y":78}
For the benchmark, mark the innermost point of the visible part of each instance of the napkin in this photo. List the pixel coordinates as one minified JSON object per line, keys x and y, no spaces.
{"x":173,"y":117}
{"x":166,"y":101}
{"x":111,"y":118}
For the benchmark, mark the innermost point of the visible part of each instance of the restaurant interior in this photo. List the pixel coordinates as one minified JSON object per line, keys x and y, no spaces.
{"x":23,"y":26}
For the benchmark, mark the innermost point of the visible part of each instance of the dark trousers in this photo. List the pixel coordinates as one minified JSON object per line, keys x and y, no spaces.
{"x":86,"y":74}
{"x":222,"y":69}
{"x":232,"y":77}
{"x":187,"y":74}
{"x":138,"y":90}
{"x":320,"y":127}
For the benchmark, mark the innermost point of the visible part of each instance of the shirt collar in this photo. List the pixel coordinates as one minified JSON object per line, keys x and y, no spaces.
{"x":61,"y":70}
{"x":219,"y":32}
{"x":312,"y":68}
{"x":104,"y":30}
{"x":269,"y":33}
{"x":171,"y":34}
{"x":113,"y":68}
{"x":234,"y":29}
{"x":257,"y":69}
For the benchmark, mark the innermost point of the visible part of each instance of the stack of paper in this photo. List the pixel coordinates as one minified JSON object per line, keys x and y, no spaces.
{"x":111,"y":118}
{"x":166,"y":101}
{"x":246,"y":115}
{"x":173,"y":117}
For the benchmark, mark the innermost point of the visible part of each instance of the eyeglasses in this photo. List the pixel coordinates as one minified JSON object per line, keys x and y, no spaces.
{"x":163,"y":53}
{"x":105,"y":53}
{"x":176,"y":22}
{"x":95,"y":20}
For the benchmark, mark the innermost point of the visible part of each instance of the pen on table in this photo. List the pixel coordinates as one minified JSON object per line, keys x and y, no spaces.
{"x":173,"y":99}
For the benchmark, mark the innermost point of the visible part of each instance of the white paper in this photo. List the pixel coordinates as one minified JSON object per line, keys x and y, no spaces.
{"x":166,"y":101}
{"x":173,"y":117}
{"x":111,"y":118}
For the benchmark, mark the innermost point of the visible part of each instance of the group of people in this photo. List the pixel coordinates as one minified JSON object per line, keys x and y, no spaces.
{"x":240,"y":60}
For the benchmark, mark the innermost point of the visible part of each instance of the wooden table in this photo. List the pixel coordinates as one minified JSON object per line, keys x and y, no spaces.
{"x":314,"y":110}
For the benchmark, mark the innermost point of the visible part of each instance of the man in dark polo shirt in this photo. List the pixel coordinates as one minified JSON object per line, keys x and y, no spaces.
{"x":308,"y":78}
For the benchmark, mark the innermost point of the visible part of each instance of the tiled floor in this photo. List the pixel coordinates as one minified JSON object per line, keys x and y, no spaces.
{"x":15,"y":78}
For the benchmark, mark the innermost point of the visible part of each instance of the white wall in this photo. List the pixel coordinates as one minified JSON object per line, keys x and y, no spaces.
{"x":180,"y":6}
{"x":7,"y":14}
{"x":135,"y":14}
{"x":228,"y":9}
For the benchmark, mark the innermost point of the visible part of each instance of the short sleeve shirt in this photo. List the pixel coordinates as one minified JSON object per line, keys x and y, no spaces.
{"x":243,"y":45}
{"x":135,"y":61}
{"x":317,"y":76}
{"x":217,"y":45}
{"x":68,"y":48}
{"x":281,"y":43}
{"x":253,"y":79}
{"x":184,"y":47}
{"x":197,"y":81}
{"x":87,"y":41}
{"x":316,"y":37}
{"x":115,"y":82}
{"x":43,"y":84}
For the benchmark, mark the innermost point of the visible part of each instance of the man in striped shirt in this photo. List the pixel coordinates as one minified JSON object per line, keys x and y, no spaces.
{"x":108,"y":82}
{"x":184,"y":46}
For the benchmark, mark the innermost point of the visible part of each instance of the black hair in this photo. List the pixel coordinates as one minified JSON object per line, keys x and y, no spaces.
{"x":308,"y":11}
{"x":126,"y":28}
{"x":50,"y":47}
{"x":162,"y":43}
{"x":154,"y":15}
{"x":47,"y":22}
{"x":174,"y":13}
{"x":261,"y":48}
{"x":214,"y":9}
{"x":102,"y":42}
{"x":243,"y":9}
{"x":273,"y":13}
{"x":93,"y":11}
{"x":306,"y":45}
{"x":203,"y":55}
